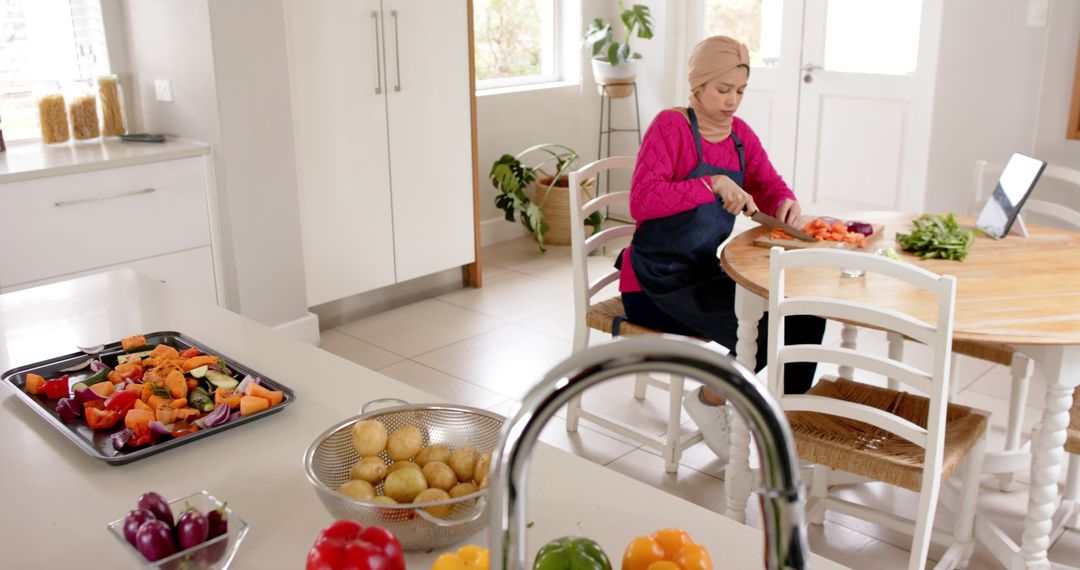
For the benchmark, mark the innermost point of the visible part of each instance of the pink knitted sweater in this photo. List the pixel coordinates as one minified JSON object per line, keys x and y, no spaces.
{"x":667,"y":156}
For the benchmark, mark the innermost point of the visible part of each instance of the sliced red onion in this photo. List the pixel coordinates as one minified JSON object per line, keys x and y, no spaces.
{"x":233,"y":417}
{"x":160,"y":429}
{"x":97,"y":366}
{"x":69,"y":410}
{"x":120,"y":438}
{"x":249,"y":379}
{"x":218,"y":416}
{"x":87,"y":395}
{"x":215,"y":367}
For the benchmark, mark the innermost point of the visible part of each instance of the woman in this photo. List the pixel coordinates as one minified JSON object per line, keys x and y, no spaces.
{"x":697,"y":169}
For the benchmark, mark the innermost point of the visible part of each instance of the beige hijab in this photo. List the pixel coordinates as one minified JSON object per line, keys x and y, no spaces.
{"x":711,"y":58}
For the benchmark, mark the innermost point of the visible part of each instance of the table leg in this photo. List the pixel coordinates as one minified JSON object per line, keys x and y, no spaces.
{"x":738,"y":479}
{"x":1061,"y":366}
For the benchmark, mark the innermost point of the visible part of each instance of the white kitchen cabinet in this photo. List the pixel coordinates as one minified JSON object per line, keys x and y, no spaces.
{"x":381,"y":95}
{"x":75,"y":210}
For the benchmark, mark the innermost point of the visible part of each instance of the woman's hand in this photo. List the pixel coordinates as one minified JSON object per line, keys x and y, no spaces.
{"x":789,"y":212}
{"x":735,"y":199}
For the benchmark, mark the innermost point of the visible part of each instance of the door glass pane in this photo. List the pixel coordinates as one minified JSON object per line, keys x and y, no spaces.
{"x":872,"y":36}
{"x":755,"y":23}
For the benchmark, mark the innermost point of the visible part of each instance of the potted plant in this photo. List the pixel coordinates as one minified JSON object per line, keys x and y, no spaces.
{"x":546,"y":213}
{"x":613,"y":62}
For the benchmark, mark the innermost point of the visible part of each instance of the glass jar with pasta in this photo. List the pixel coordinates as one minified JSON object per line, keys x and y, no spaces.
{"x":52,"y":113}
{"x":83,"y":112}
{"x":111,"y":99}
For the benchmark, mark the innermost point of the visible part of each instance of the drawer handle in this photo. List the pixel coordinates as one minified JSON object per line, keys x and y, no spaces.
{"x":63,"y":203}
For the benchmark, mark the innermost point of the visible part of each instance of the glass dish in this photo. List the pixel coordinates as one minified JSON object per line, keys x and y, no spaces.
{"x":214,"y":554}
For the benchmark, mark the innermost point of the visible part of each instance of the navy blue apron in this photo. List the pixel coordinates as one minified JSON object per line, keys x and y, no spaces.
{"x":674,"y":258}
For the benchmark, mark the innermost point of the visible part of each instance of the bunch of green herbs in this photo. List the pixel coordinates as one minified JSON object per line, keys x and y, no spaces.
{"x":937,"y":236}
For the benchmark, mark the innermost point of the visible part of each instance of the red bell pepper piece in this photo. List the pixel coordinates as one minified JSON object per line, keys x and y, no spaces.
{"x":57,"y":388}
{"x":120,"y":402}
{"x":190,"y":353}
{"x":348,"y":545}
{"x":98,"y":418}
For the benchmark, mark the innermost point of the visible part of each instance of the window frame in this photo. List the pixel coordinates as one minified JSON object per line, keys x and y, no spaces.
{"x":557,"y":46}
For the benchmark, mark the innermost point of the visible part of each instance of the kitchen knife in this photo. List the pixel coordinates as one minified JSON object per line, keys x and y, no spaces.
{"x":766,"y":220}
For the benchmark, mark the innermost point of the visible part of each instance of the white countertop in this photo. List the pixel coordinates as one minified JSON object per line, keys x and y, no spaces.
{"x":59,"y":499}
{"x":25,"y":161}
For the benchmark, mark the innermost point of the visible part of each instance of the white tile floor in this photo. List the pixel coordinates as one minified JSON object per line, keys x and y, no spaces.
{"x":485,"y":347}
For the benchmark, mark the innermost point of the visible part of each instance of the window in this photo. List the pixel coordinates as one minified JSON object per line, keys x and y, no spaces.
{"x":755,"y":23}
{"x":881,"y":36}
{"x":515,"y":42}
{"x":45,"y":41}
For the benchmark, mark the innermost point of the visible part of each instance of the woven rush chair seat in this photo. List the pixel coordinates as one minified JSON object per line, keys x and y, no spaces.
{"x":996,"y":353}
{"x":601,"y":317}
{"x":859,"y":448}
{"x":1072,"y":442}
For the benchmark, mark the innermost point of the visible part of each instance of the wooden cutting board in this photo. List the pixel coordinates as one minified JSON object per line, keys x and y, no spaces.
{"x":765,"y":241}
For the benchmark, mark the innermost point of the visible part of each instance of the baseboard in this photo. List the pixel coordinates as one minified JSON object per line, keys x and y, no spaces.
{"x":305,"y":329}
{"x":498,"y":229}
{"x":337,"y":313}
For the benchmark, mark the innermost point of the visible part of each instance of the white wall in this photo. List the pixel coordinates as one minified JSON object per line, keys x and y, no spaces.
{"x":1063,"y":37}
{"x":226,"y":61}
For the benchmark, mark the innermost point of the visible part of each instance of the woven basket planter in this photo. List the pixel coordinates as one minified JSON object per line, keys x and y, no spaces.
{"x":556,"y":205}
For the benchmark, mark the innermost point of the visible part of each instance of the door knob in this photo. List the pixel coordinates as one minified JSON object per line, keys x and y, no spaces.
{"x":809,"y":68}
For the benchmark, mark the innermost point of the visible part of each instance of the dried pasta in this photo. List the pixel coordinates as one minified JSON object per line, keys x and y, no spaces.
{"x":52,"y":115}
{"x":112,"y":117}
{"x":84,"y":119}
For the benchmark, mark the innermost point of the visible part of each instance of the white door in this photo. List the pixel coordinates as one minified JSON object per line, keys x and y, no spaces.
{"x":339,"y":120}
{"x":865,"y":102}
{"x":428,"y":100}
{"x":840,"y":93}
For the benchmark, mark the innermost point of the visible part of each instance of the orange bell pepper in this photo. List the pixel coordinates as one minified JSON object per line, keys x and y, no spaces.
{"x":667,"y":549}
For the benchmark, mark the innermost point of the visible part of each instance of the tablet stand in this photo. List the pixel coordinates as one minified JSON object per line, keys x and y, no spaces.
{"x":1018,"y":227}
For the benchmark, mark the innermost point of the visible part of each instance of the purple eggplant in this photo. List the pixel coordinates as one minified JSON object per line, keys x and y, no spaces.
{"x":154,"y":540}
{"x":69,"y":410}
{"x":192,"y":528}
{"x":133,"y":521}
{"x":157,"y":505}
{"x":218,"y":522}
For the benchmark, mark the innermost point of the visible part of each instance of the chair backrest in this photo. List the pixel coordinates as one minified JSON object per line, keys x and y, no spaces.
{"x":586,"y":287}
{"x":1040,"y":203}
{"x":933,"y":382}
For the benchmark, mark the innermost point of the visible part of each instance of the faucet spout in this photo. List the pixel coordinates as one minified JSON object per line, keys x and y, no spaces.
{"x":781,"y":497}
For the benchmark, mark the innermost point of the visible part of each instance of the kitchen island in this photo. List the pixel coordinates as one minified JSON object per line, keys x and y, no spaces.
{"x":58,"y":499}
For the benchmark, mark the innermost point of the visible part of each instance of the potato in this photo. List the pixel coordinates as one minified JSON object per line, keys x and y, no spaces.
{"x":404,"y":485}
{"x":462,"y":489}
{"x":369,"y":437}
{"x":357,"y":489}
{"x":404,"y":443}
{"x":482,"y":466}
{"x":431,"y":496}
{"x":382,"y":500}
{"x":401,"y":465}
{"x":437,"y":452}
{"x":483,"y":483}
{"x":463,"y":462}
{"x":370,"y":469}
{"x":439,"y":475}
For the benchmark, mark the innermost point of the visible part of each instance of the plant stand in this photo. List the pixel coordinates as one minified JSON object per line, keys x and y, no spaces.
{"x":607,"y":129}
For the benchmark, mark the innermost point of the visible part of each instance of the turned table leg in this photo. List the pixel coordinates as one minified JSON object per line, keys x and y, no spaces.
{"x":738,"y":479}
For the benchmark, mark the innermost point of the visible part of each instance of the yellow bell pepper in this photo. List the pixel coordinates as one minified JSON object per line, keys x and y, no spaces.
{"x":469,"y":557}
{"x":668,"y":549}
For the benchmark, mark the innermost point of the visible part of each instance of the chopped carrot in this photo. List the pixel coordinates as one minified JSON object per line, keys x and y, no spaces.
{"x":193,"y":363}
{"x":177,"y":384}
{"x":165,"y":352}
{"x":35,"y":384}
{"x":275,"y":397}
{"x":132,"y":342}
{"x":230,"y":397}
{"x":115,"y":377}
{"x":252,"y":404}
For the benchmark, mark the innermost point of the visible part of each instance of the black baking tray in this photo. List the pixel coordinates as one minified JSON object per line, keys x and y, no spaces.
{"x":98,"y":443}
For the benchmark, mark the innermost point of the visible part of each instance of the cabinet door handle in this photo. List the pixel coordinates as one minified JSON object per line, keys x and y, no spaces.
{"x":397,"y":51}
{"x":63,"y":203}
{"x":378,"y":53}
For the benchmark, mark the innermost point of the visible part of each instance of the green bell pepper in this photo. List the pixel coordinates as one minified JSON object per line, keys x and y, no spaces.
{"x":572,"y":552}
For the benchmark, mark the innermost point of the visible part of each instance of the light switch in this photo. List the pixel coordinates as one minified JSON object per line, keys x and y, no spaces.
{"x":163,"y":90}
{"x":1037,"y":12}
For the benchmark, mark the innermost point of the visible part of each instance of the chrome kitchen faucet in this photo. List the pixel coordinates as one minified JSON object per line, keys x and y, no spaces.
{"x":781,"y":496}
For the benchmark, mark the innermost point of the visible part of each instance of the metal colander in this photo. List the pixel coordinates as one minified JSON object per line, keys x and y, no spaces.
{"x":331,"y":456}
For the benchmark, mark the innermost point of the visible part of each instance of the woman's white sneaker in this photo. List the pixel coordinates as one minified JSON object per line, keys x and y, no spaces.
{"x":713,"y":421}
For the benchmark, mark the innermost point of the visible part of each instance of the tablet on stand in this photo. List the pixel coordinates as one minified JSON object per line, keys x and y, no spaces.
{"x":1000,"y":215}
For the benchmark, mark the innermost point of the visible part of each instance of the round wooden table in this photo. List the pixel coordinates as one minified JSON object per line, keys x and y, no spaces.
{"x":1021,"y":292}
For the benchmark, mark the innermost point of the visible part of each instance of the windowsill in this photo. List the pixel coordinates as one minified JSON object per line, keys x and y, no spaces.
{"x":524,"y":88}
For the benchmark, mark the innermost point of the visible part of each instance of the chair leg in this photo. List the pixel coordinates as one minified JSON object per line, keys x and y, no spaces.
{"x":848,"y":336}
{"x":896,"y":352}
{"x":640,"y":383}
{"x":573,"y":408}
{"x":1072,"y":492}
{"x":819,"y":491}
{"x":672,"y":447}
{"x":964,"y":527}
{"x":1022,"y":369}
{"x":924,"y":518}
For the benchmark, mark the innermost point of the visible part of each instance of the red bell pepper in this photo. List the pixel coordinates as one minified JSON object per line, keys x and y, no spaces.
{"x":190,"y":353}
{"x":120,"y":402}
{"x":98,"y":418}
{"x":348,"y":545}
{"x":57,"y":388}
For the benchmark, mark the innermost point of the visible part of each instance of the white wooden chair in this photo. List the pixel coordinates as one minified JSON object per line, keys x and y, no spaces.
{"x":606,"y":315}
{"x":910,"y":441}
